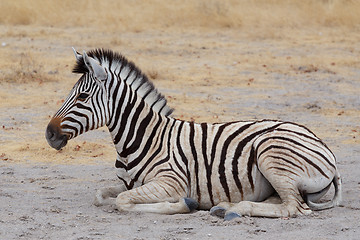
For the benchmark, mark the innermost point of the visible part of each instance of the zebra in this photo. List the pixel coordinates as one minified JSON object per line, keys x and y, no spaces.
{"x":266,"y":168}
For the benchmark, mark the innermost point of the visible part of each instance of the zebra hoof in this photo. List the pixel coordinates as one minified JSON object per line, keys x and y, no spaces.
{"x":218,"y":211}
{"x":191,"y":204}
{"x":231,"y":215}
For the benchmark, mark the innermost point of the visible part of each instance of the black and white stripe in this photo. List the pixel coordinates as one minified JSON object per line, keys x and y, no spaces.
{"x":164,"y":159}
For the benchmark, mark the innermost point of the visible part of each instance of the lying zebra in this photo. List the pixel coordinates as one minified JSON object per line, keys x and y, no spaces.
{"x":262,"y":168}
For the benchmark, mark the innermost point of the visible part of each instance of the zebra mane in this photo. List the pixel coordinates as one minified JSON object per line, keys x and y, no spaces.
{"x":126,"y":70}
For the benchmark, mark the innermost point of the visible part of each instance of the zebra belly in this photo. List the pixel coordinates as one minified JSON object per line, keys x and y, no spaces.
{"x":262,"y":190}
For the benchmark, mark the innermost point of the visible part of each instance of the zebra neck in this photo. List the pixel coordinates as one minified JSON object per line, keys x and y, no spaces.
{"x":136,"y":132}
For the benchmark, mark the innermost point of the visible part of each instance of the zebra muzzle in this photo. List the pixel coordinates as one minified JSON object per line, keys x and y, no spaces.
{"x":54,"y":136}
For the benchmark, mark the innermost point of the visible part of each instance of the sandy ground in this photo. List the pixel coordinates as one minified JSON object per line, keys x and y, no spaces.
{"x":310,"y":76}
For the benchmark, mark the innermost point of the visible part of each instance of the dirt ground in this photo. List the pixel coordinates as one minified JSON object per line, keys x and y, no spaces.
{"x":309,"y":75}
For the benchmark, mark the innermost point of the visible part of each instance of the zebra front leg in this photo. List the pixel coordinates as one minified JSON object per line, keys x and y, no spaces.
{"x":183,"y":205}
{"x":107,"y":196}
{"x":155,"y":197}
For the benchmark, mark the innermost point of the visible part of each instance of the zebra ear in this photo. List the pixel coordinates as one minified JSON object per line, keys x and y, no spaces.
{"x":77,"y":55}
{"x":94,"y":67}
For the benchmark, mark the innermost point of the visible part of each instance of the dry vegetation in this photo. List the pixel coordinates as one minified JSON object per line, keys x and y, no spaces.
{"x":257,"y":18}
{"x":24,"y":69}
{"x":140,"y":15}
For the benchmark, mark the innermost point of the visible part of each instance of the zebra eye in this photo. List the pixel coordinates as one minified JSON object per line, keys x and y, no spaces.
{"x":82,"y":96}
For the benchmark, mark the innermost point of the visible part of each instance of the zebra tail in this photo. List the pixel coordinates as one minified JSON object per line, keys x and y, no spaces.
{"x":334,"y":202}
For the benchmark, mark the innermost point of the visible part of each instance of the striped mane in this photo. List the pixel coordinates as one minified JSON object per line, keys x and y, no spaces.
{"x":134,"y":78}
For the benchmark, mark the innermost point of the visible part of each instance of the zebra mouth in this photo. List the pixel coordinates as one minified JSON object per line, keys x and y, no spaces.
{"x":54,"y":138}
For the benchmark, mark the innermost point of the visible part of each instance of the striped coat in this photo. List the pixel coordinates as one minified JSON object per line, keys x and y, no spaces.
{"x":264,"y":168}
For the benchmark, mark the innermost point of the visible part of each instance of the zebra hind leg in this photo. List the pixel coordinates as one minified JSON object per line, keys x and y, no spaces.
{"x":287,"y":203}
{"x":229,"y":215}
{"x":221,"y":209}
{"x":275,"y":199}
{"x":272,"y":207}
{"x":261,"y":209}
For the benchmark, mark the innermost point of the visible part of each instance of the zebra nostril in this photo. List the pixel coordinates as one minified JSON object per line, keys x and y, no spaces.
{"x":54,"y":137}
{"x":50,"y":133}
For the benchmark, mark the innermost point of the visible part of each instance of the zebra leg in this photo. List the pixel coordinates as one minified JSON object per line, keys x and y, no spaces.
{"x":275,"y":199}
{"x":220,"y":209}
{"x":155,"y":197}
{"x":287,"y":203}
{"x":272,"y":207}
{"x":261,"y":209}
{"x":164,"y":207}
{"x":290,"y":203}
{"x":107,"y":196}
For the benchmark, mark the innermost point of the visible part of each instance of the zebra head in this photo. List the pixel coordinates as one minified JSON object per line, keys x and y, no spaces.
{"x":86,"y":106}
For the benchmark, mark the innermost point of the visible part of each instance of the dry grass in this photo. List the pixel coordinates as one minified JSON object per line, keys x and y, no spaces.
{"x":258,"y":19}
{"x":25,"y":69}
{"x":139,"y":15}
